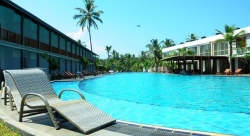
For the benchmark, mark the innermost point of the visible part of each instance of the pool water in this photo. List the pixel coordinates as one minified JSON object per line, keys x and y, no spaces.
{"x":219,"y":104}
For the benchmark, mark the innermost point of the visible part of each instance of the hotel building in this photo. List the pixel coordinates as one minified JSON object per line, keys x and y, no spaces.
{"x":211,"y":57}
{"x":23,"y":37}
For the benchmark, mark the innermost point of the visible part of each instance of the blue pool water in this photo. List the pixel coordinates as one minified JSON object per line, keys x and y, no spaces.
{"x":219,"y":104}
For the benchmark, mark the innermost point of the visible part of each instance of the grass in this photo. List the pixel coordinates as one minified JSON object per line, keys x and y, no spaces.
{"x":6,"y":131}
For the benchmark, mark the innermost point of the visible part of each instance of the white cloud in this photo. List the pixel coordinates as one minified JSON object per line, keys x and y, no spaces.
{"x":78,"y":35}
{"x":82,"y":35}
{"x":100,"y":50}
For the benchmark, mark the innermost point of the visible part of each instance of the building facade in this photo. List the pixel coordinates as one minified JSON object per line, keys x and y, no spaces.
{"x":23,"y":37}
{"x":207,"y":47}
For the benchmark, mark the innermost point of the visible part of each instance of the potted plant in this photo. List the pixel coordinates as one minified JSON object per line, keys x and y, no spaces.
{"x":53,"y":64}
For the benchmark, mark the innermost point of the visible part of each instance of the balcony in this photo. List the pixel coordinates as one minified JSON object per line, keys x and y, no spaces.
{"x":45,"y":47}
{"x":10,"y":36}
{"x":30,"y":42}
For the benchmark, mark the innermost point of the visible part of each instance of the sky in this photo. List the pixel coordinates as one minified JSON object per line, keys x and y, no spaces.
{"x":158,"y":19}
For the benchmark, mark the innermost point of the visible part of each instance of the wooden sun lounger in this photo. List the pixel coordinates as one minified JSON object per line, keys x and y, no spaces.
{"x":238,"y":71}
{"x":70,"y":74}
{"x":227,"y":72}
{"x":63,"y":76}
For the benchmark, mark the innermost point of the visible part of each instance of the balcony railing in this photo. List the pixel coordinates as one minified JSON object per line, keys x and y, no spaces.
{"x":63,"y":52}
{"x":45,"y":47}
{"x":30,"y":42}
{"x":69,"y":54}
{"x":55,"y":50}
{"x":16,"y":38}
{"x":10,"y":36}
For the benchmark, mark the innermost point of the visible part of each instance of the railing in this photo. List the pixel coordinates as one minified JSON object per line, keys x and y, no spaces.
{"x":30,"y":42}
{"x":63,"y":52}
{"x":69,"y":54}
{"x":45,"y":47}
{"x":55,"y":50}
{"x":10,"y":36}
{"x":79,"y":57}
{"x":16,"y":38}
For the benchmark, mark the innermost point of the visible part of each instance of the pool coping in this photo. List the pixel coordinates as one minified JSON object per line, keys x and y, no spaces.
{"x":171,"y":130}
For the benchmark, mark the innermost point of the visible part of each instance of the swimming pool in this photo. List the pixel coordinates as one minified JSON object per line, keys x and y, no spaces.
{"x":205,"y":103}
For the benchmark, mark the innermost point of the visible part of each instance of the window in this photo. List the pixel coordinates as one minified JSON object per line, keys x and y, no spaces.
{"x":54,"y":40}
{"x":30,"y":29}
{"x":9,"y":20}
{"x":44,"y":35}
{"x":221,"y":48}
{"x":193,"y":49}
{"x":62,"y":44}
{"x":205,"y":50}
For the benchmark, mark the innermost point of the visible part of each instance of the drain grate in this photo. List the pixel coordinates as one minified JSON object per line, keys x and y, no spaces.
{"x":136,"y":131}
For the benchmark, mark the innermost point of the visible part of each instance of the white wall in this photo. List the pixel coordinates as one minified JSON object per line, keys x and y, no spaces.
{"x":248,"y":41}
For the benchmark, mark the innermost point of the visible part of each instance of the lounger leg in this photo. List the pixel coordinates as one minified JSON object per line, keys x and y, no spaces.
{"x":21,"y":111}
{"x":53,"y":118}
{"x":5,"y":95}
{"x":11,"y":102}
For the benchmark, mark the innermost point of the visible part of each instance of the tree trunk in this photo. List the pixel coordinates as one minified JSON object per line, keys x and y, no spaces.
{"x":156,"y":63}
{"x":88,"y":27}
{"x":230,"y":55}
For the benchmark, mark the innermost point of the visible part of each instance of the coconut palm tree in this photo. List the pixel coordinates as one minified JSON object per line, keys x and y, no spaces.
{"x":114,"y":54}
{"x":87,"y":17}
{"x":230,"y":37}
{"x":82,"y":43}
{"x":168,"y":43}
{"x":192,"y":37}
{"x":155,"y":49}
{"x":108,"y":48}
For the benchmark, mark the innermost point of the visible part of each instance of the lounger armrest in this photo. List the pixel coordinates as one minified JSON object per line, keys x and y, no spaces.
{"x":35,"y":95}
{"x":60,"y":94}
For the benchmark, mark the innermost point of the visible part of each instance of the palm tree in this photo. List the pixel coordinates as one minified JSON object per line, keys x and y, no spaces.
{"x":113,"y":54}
{"x":230,"y":37}
{"x":155,"y":49}
{"x":108,"y":48}
{"x":168,"y":43}
{"x":127,"y":61}
{"x":192,"y":37}
{"x":87,"y":17}
{"x":82,"y":43}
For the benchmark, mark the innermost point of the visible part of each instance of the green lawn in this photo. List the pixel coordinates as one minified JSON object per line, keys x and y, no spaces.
{"x":6,"y":131}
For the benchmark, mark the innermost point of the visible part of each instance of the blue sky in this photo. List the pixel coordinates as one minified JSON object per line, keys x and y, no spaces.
{"x":159,"y":19}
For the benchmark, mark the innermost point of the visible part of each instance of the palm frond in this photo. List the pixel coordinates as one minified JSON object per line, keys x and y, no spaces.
{"x":219,"y":31}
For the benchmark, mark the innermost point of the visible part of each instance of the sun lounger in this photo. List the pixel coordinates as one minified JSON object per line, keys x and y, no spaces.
{"x":12,"y":93}
{"x":37,"y":94}
{"x":70,"y":74}
{"x":238,"y":71}
{"x":85,"y":73}
{"x":63,"y":76}
{"x":227,"y":72}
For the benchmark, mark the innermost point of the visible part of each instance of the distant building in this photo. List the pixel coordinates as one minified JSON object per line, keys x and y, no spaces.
{"x":218,"y":51}
{"x":24,"y":36}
